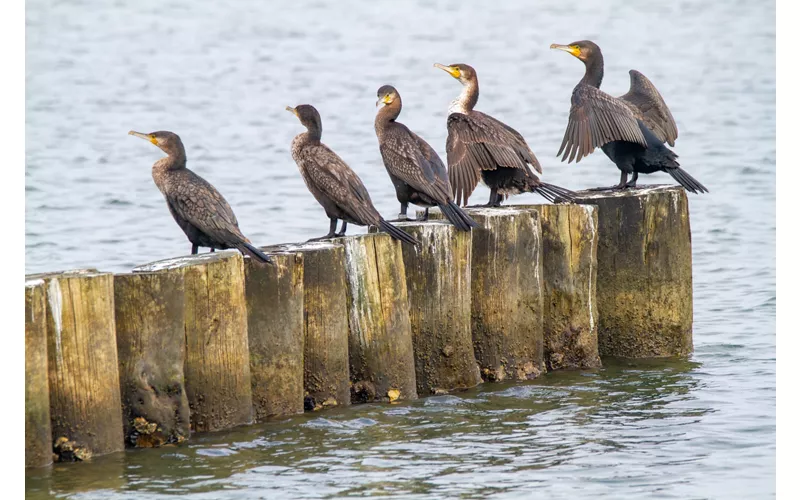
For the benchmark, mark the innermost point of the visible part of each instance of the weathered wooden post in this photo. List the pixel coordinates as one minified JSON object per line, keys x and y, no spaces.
{"x":644,"y":271}
{"x":438,"y":282}
{"x":38,"y":437}
{"x":380,"y":346}
{"x":569,"y":278}
{"x":217,"y":367}
{"x":275,"y":328}
{"x":325,"y":356}
{"x":149,"y":312}
{"x":83,"y":374}
{"x":506,"y":293}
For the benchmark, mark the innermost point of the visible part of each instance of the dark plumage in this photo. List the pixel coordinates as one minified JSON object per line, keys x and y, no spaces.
{"x":630,"y":129}
{"x":198,"y":208}
{"x":480,"y":147}
{"x":418,"y":174}
{"x":335,"y":186}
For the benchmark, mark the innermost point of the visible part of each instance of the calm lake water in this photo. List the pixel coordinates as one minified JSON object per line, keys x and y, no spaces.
{"x":220,"y":75}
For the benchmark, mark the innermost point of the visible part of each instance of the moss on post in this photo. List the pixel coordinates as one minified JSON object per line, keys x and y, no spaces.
{"x":569,"y":278}
{"x":217,"y":367}
{"x":506,"y":293}
{"x":644,"y":272}
{"x":438,"y":282}
{"x":275,"y":328}
{"x":326,"y":372}
{"x":83,"y":374}
{"x":380,"y":348}
{"x":149,"y":312}
{"x":38,"y":437}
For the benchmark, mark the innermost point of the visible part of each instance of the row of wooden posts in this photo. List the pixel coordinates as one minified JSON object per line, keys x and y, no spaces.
{"x":209,"y":342}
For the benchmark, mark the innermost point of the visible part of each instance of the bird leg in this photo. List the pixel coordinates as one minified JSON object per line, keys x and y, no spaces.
{"x":631,"y":184}
{"x":212,"y":250}
{"x":494,"y":198}
{"x":331,"y":231}
{"x":623,"y":179}
{"x":403,"y":215}
{"x":344,"y":228}
{"x":425,"y":216}
{"x":194,"y":249}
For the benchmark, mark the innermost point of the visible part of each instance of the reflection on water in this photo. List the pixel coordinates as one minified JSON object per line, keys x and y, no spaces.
{"x":618,"y":425}
{"x":220,"y":77}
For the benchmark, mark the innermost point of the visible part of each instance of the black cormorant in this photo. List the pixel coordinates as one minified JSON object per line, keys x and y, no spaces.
{"x":198,"y":208}
{"x":630,"y":129}
{"x":335,"y":186}
{"x":480,"y":147}
{"x":418,"y":174}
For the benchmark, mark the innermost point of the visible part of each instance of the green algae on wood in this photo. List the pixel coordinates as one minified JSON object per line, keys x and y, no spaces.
{"x":506,"y":295}
{"x":326,"y":372}
{"x":381,"y":351}
{"x":569,"y":278}
{"x":217,"y":367}
{"x":276,"y":336}
{"x":149,"y":312}
{"x":644,"y":272}
{"x":38,"y":437}
{"x":438,"y":282}
{"x":83,"y":373}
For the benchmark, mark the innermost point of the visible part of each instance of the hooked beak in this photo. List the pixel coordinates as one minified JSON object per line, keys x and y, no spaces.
{"x":292,"y":110}
{"x":387,"y":99}
{"x":575,"y":51}
{"x":454,"y":72}
{"x":146,"y":137}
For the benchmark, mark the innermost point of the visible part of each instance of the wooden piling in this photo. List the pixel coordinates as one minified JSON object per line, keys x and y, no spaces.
{"x":83,"y":374}
{"x":569,"y":278}
{"x":149,"y":311}
{"x":381,"y":351}
{"x":325,"y":356}
{"x":438,"y":282}
{"x":506,"y":293}
{"x":644,"y":272}
{"x":217,"y":366}
{"x":275,"y":328}
{"x":38,"y":437}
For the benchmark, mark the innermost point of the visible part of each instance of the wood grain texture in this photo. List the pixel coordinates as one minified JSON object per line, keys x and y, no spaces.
{"x":38,"y":437}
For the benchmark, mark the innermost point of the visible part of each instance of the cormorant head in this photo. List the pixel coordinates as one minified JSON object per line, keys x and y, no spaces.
{"x":584,"y":50}
{"x":464,"y":73}
{"x":308,"y":115}
{"x":169,"y":142}
{"x":387,"y":95}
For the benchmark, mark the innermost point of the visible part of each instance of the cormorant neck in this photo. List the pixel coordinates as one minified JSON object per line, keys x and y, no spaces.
{"x":314,"y":134}
{"x":594,"y":71}
{"x":175,"y":160}
{"x":467,"y":99}
{"x":387,"y":114}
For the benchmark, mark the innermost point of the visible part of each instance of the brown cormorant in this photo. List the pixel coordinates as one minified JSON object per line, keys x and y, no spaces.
{"x":630,"y":129}
{"x":335,"y":186}
{"x":198,"y":208}
{"x":480,"y":147}
{"x":418,"y":174}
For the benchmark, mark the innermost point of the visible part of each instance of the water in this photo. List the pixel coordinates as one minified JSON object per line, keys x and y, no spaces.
{"x":220,"y":77}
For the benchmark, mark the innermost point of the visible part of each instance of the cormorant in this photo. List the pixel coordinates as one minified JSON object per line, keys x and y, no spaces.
{"x":481,"y":147}
{"x":198,"y":208}
{"x":335,"y":186}
{"x":630,"y":129}
{"x":417,"y":172}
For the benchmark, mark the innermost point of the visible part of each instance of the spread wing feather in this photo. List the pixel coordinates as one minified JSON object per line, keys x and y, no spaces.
{"x":647,"y":104}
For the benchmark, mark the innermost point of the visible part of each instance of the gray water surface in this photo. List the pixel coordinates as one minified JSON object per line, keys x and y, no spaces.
{"x":220,"y":74}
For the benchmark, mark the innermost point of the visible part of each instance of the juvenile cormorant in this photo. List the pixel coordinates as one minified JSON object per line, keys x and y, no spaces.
{"x":630,"y":129}
{"x":335,"y":186}
{"x":417,"y":172}
{"x":198,"y":208}
{"x":481,"y":147}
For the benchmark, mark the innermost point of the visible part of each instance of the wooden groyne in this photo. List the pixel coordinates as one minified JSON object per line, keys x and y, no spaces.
{"x":213,"y":341}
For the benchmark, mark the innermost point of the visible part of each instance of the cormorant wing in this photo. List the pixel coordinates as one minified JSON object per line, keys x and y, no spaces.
{"x":200,"y":204}
{"x":514,"y":139}
{"x":597,"y":118}
{"x":332,"y":176}
{"x":409,"y":158}
{"x":646,"y":102}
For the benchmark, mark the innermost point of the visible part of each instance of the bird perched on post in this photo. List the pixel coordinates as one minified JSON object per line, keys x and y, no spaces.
{"x":630,"y":129}
{"x":198,"y":208}
{"x":418,"y":174}
{"x":480,"y":147}
{"x":334,"y":184}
